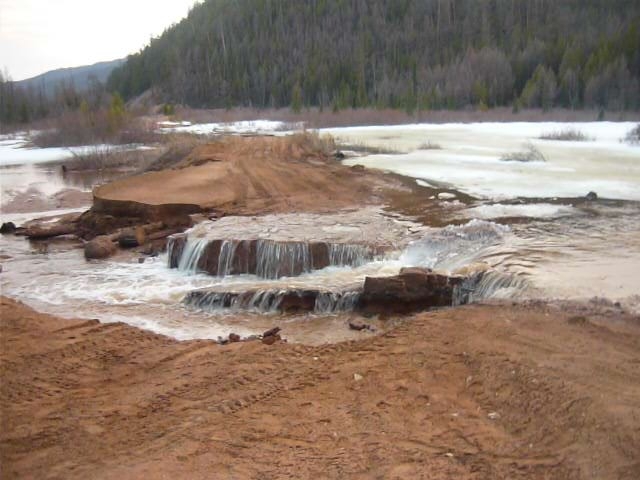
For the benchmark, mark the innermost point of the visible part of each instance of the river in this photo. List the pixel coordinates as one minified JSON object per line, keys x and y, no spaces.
{"x":527,"y":221}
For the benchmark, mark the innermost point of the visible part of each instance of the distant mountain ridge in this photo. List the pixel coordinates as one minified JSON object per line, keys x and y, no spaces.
{"x":80,"y":76}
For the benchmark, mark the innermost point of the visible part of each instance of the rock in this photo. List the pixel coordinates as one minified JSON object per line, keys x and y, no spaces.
{"x":7,"y":227}
{"x":234,"y":338}
{"x":0,"y":268}
{"x":131,"y":237}
{"x":271,"y":332}
{"x":271,"y":339}
{"x":591,"y":196}
{"x":298,"y":301}
{"x":99,"y":247}
{"x":357,"y":377}
{"x":358,"y":327}
{"x":358,"y":168}
{"x":411,"y":290}
{"x":339,"y":155}
{"x":141,"y":259}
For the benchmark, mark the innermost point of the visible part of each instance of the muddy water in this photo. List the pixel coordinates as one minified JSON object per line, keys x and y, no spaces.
{"x":568,"y":249}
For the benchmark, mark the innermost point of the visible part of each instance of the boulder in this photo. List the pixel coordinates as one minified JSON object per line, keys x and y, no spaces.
{"x":7,"y":227}
{"x":413,"y":289}
{"x":132,"y":237}
{"x":99,"y":247}
{"x":591,"y":196}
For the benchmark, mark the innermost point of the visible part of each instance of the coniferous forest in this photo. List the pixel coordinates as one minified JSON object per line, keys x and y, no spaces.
{"x":414,"y":55}
{"x":408,"y":54}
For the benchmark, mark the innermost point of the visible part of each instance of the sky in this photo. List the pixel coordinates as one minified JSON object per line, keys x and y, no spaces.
{"x":41,"y":35}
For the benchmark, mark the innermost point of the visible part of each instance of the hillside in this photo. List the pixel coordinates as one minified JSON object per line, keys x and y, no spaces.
{"x":406,"y":54}
{"x":80,"y":77}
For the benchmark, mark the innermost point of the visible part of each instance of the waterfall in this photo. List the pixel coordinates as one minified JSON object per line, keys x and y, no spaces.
{"x":265,"y":301}
{"x":282,"y":259}
{"x":487,"y":285}
{"x":225,"y":260}
{"x":271,"y":300}
{"x":191,"y":254}
{"x":265,"y":258}
{"x":343,"y":254}
{"x":333,"y":302}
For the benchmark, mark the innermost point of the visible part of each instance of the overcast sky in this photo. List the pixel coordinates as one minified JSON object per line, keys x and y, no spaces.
{"x":41,"y":35}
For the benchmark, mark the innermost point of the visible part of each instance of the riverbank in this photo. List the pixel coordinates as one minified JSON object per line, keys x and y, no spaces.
{"x":504,"y":391}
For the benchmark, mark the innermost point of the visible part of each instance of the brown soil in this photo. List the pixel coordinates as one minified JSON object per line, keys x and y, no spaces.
{"x":486,"y":392}
{"x":247,"y":176}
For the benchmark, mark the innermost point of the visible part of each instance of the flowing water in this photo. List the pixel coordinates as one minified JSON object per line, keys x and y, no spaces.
{"x":541,"y":247}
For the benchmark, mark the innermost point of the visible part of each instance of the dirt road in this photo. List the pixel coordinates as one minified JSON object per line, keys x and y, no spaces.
{"x":484,"y":392}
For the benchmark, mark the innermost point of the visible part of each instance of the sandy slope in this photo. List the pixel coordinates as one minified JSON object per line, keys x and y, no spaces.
{"x":84,"y":400}
{"x":250,"y":176}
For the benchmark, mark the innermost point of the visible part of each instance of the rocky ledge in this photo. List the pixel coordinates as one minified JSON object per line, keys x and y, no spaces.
{"x":413,"y":289}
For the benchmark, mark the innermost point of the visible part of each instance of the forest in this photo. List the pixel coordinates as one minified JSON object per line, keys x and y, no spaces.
{"x":409,"y":54}
{"x":413,"y":55}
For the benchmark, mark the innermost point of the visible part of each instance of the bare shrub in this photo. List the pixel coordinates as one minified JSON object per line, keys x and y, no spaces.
{"x":429,"y":145}
{"x":633,"y":136}
{"x":312,"y":143}
{"x":529,"y":154}
{"x":176,"y":147}
{"x":107,"y":157}
{"x":568,"y":134}
{"x":93,"y":128}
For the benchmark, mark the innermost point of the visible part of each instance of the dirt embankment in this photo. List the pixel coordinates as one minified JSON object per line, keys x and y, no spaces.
{"x":246,"y":176}
{"x":484,"y":392}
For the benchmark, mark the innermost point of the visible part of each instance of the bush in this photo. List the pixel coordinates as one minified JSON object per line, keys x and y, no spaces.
{"x":567,"y":134}
{"x":105,"y":157}
{"x":530,"y":154}
{"x":633,"y":136}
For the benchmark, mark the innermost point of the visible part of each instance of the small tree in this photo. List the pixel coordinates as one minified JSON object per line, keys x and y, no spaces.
{"x":116,"y":113}
{"x":296,"y":98}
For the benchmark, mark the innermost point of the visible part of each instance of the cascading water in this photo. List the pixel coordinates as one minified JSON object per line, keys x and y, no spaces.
{"x":267,"y":259}
{"x":341,"y":254}
{"x":225,"y":259}
{"x":191,"y":254}
{"x":335,"y":302}
{"x":272,"y":300}
{"x":282,"y":259}
{"x":454,"y":246}
{"x":488,"y":285}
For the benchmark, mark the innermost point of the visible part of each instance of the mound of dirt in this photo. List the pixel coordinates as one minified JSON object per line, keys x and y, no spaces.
{"x":480,"y":392}
{"x":245,"y":175}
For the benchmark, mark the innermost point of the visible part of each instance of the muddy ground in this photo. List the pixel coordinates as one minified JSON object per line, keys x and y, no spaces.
{"x":507,"y":391}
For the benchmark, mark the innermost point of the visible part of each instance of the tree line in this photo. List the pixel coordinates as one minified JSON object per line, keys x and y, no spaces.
{"x":404,"y":54}
{"x":410,"y":54}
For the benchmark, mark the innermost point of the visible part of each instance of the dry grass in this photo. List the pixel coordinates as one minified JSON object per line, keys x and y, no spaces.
{"x":529,"y":154}
{"x":429,"y":145}
{"x":77,"y":128}
{"x":175,"y":148}
{"x":568,"y":134}
{"x":107,"y":157}
{"x":367,"y":149}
